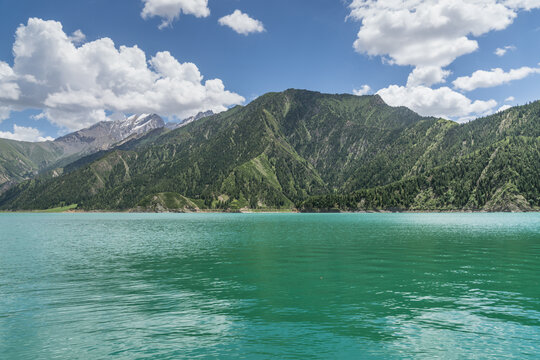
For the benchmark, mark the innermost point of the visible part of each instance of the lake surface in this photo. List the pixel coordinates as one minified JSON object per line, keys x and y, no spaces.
{"x":284,"y":286}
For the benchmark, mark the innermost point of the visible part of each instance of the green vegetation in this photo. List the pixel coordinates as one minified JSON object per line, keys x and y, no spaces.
{"x":59,"y":209}
{"x":311,"y":151}
{"x":502,"y":177}
{"x":169,"y":202}
{"x":21,"y":160}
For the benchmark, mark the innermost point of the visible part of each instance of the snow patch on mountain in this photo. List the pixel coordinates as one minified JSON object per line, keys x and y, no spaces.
{"x":105,"y":134}
{"x":136,"y":124}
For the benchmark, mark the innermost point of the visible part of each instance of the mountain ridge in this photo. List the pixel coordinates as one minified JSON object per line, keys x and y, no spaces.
{"x":291,"y":149}
{"x":23,"y":160}
{"x":198,"y":116}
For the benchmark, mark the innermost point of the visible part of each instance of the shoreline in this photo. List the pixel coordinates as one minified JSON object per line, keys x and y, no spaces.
{"x":269,"y":212}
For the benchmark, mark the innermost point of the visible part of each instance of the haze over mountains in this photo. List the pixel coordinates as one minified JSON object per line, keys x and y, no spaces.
{"x":295,"y":149}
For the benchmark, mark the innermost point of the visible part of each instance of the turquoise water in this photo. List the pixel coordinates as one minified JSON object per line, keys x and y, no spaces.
{"x":285,"y":286}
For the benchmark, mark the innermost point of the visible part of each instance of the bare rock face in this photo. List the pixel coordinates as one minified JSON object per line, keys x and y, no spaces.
{"x":136,"y":125}
{"x":105,"y":134}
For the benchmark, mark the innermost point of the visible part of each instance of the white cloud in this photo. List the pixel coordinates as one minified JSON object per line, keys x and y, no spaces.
{"x":169,"y":10}
{"x":22,"y":133}
{"x":4,"y":113}
{"x":494,"y":77}
{"x":522,"y":4}
{"x":77,"y":37}
{"x":504,"y":107}
{"x":9,"y":90}
{"x":442,"y":102}
{"x":242,"y":23}
{"x":427,"y":76}
{"x":426,"y":32}
{"x":75,"y":86}
{"x":502,"y":51}
{"x":364,"y":90}
{"x":510,"y":99}
{"x":429,"y":35}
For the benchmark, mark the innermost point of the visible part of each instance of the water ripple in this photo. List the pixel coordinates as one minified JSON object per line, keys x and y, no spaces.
{"x":286,"y":286}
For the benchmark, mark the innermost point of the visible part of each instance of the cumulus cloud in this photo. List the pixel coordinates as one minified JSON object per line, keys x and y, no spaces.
{"x":364,"y":90}
{"x":428,"y":75}
{"x":441,"y":102}
{"x":169,"y":10}
{"x":77,"y":37}
{"x":76,"y":86}
{"x":494,"y":77}
{"x":429,"y":35}
{"x":22,"y":133}
{"x":502,"y":51}
{"x":4,"y":113}
{"x":426,"y":32}
{"x":503,"y":108}
{"x":242,"y":23}
{"x":522,"y":4}
{"x":9,"y":89}
{"x":510,"y":99}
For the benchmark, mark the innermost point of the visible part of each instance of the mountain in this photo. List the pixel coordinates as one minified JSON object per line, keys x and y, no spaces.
{"x":311,"y":151}
{"x":199,"y":116}
{"x":189,"y":120}
{"x":23,"y":160}
{"x":500,"y":177}
{"x":491,"y":164}
{"x":105,"y":134}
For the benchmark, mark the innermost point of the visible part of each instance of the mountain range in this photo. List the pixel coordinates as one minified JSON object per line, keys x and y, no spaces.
{"x":295,"y":150}
{"x":24,"y":160}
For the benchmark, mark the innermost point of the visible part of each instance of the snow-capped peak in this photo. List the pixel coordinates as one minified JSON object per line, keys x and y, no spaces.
{"x":137,"y":124}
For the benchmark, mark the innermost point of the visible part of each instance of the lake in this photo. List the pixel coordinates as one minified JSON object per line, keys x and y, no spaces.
{"x":284,"y":286}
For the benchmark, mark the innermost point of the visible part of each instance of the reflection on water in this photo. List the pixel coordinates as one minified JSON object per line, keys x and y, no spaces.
{"x":260,"y":286}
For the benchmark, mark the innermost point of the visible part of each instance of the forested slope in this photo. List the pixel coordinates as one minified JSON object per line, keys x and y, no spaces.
{"x":313,"y":151}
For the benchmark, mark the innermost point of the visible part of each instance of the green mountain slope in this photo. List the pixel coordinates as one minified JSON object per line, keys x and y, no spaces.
{"x":500,"y":177}
{"x":21,"y":160}
{"x":296,"y":146}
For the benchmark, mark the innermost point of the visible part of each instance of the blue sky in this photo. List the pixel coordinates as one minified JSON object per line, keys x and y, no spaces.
{"x":328,"y":46}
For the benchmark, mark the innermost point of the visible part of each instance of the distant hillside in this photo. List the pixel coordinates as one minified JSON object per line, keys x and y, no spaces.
{"x":316,"y":152}
{"x":21,"y":160}
{"x":24,"y":160}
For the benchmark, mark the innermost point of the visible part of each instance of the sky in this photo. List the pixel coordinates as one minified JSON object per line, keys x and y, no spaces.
{"x":65,"y":65}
